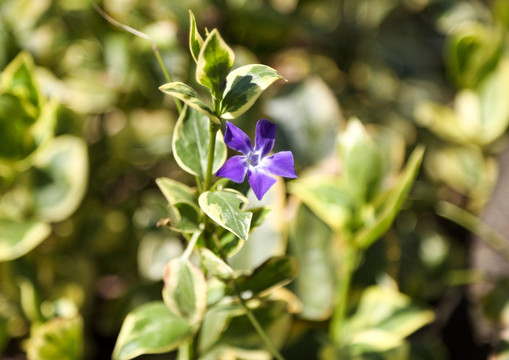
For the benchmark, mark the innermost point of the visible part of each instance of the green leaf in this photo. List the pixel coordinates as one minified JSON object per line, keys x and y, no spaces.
{"x":59,"y":338}
{"x":243,"y":86}
{"x":273,"y":317}
{"x":385,"y":309}
{"x":361,"y":161}
{"x":397,"y":196}
{"x":151,"y":329}
{"x":494,"y":105}
{"x":473,"y":52}
{"x":225,"y":207}
{"x":176,"y":192}
{"x":326,"y":197}
{"x":60,"y":177}
{"x":18,"y":238}
{"x":16,"y":140}
{"x":191,"y":144}
{"x":18,"y":79}
{"x":195,"y":39}
{"x":214,"y":324}
{"x":183,"y":205}
{"x":185,"y":290}
{"x":214,"y":265}
{"x":273,"y":273}
{"x":311,"y":242}
{"x":214,"y":63}
{"x":189,"y":96}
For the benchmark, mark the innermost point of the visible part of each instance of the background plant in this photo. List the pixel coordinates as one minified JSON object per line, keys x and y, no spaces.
{"x":357,"y":54}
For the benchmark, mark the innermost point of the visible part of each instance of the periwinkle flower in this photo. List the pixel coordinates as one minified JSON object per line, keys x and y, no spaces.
{"x":254,"y":162}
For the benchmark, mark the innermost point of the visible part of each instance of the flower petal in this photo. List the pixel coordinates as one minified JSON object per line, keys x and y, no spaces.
{"x":265,"y":136}
{"x":280,"y":164}
{"x":234,"y":169}
{"x":260,"y":181}
{"x":237,"y":139}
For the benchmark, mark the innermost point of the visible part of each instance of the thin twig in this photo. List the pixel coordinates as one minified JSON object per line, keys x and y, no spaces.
{"x":475,"y":225}
{"x":145,"y":37}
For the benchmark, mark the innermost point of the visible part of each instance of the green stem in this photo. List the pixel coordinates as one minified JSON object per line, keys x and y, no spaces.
{"x":268,"y":343}
{"x":256,"y":325}
{"x":213,"y":128}
{"x":190,"y":246}
{"x":343,"y":289}
{"x":185,"y":351}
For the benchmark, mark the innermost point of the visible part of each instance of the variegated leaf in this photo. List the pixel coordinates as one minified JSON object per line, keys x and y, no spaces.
{"x":189,"y":96}
{"x":243,"y":86}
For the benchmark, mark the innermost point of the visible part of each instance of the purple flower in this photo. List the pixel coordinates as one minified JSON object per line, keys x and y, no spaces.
{"x":254,"y":162}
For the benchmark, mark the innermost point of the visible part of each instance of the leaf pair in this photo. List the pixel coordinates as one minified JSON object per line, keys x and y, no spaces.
{"x":225,"y":207}
{"x":233,"y":92}
{"x":352,"y":204}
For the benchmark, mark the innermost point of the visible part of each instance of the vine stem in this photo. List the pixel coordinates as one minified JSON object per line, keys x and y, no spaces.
{"x":190,"y":246}
{"x":142,"y":35}
{"x":256,"y":325}
{"x":343,"y":289}
{"x":259,"y":329}
{"x":213,"y":129}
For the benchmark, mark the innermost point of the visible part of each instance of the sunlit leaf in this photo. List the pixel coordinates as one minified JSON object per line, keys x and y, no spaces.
{"x":189,"y":96}
{"x":243,"y":86}
{"x":59,"y":338}
{"x":60,"y":178}
{"x":311,"y":243}
{"x":214,"y":63}
{"x":388,"y":310}
{"x":225,"y":207}
{"x":195,"y":39}
{"x":494,"y":105}
{"x":151,"y":329}
{"x":327,"y":197}
{"x":392,"y":205}
{"x":191,"y":143}
{"x":18,"y":238}
{"x":362,"y":162}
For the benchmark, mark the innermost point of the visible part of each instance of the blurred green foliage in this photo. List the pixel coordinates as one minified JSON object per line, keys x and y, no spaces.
{"x":84,"y":133}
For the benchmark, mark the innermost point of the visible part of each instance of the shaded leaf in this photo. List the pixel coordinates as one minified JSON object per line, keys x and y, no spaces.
{"x":275,"y":272}
{"x":243,"y":86}
{"x":191,"y":143}
{"x":189,"y":96}
{"x":215,"y":266}
{"x":151,"y":329}
{"x":185,"y":290}
{"x":225,"y":207}
{"x":183,"y":205}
